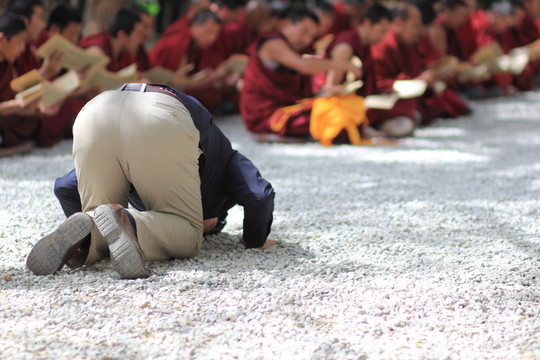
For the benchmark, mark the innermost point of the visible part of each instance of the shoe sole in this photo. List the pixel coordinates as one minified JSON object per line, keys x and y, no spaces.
{"x":49,"y":254}
{"x":126,"y":256}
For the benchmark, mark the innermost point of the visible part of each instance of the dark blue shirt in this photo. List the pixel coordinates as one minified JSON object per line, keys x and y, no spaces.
{"x":227,"y":178}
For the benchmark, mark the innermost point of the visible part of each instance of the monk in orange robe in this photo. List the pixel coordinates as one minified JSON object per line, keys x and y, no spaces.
{"x":396,"y":58}
{"x":17,"y":124}
{"x":277,"y":76}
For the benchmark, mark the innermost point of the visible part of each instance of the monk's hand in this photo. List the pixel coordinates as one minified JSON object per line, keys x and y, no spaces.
{"x":52,"y":66}
{"x":267,"y":243}
{"x":50,"y":110}
{"x":30,"y":109}
{"x":348,"y":66}
{"x":209,"y":224}
{"x":428,"y":77}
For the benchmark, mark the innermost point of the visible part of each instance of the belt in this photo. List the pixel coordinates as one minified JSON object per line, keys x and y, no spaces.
{"x":142,"y":87}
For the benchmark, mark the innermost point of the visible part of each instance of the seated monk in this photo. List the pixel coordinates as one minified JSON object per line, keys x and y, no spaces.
{"x":522,"y":33}
{"x":182,"y":23}
{"x":17,"y":124}
{"x":141,"y":55}
{"x":66,"y":21}
{"x":257,"y":20}
{"x":396,"y":58}
{"x":357,"y":41}
{"x":31,"y":12}
{"x":184,"y":54}
{"x":278,"y":76}
{"x":124,"y":37}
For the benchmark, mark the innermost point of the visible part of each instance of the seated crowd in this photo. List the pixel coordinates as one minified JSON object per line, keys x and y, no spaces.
{"x":271,"y":60}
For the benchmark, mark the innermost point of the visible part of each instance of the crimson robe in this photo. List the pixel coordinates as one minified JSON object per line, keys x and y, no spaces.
{"x":103,"y":40}
{"x":180,"y":26}
{"x":14,"y":129}
{"x":169,"y":52}
{"x":142,"y":59}
{"x":363,"y":52}
{"x":266,"y":90}
{"x":27,"y":61}
{"x":395,"y":61}
{"x":341,"y":23}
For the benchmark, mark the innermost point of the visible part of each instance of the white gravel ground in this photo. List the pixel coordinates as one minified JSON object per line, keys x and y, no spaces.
{"x":428,"y":250}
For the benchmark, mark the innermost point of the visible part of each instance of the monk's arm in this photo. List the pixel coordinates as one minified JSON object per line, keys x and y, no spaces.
{"x":341,"y":52}
{"x":13,"y":107}
{"x":278,"y":51}
{"x":438,"y":39}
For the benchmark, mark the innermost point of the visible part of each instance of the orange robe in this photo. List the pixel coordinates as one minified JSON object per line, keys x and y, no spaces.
{"x":14,"y":129}
{"x":266,"y":90}
{"x":394,"y":61}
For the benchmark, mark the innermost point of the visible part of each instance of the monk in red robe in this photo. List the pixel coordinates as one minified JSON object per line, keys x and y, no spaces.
{"x":17,"y":124}
{"x":181,"y":25}
{"x":277,"y":76}
{"x":66,"y":21}
{"x":357,"y":41}
{"x":396,"y":58}
{"x":185,"y":54}
{"x":122,"y":40}
{"x":31,"y":12}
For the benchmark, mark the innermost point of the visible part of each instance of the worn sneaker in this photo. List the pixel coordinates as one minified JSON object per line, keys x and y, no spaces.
{"x":54,"y":250}
{"x":127,"y":257}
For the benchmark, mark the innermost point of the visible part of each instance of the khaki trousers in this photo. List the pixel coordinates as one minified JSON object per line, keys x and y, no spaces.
{"x":147,"y":139}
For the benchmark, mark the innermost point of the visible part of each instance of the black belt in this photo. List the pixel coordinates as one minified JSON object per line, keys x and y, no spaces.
{"x":149,"y":88}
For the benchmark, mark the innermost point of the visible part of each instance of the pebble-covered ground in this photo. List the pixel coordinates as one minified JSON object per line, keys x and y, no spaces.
{"x":426,"y":250}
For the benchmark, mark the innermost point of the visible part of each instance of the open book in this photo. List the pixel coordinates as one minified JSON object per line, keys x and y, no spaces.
{"x":50,"y":92}
{"x":105,"y":79}
{"x":74,"y":58}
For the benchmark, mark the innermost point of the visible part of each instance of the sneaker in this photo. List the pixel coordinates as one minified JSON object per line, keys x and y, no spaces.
{"x":54,"y":250}
{"x":127,"y":257}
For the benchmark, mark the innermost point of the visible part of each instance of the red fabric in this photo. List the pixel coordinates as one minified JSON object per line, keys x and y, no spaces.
{"x":352,"y":38}
{"x":103,"y":40}
{"x":427,"y":53}
{"x":168,"y":53}
{"x":266,"y":90}
{"x":58,"y":127}
{"x":462,"y":42}
{"x":526,"y":31}
{"x":13,"y":129}
{"x":44,"y":36}
{"x":27,"y":61}
{"x":236,"y":38}
{"x":179,"y":26}
{"x":341,"y":23}
{"x":142,"y":59}
{"x":394,"y":61}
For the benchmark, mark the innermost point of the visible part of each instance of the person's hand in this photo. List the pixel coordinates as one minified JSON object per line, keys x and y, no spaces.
{"x":428,"y":77}
{"x":348,"y":66}
{"x":209,"y":224}
{"x":31,"y":109}
{"x":52,"y":66}
{"x":267,"y":243}
{"x":50,"y":110}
